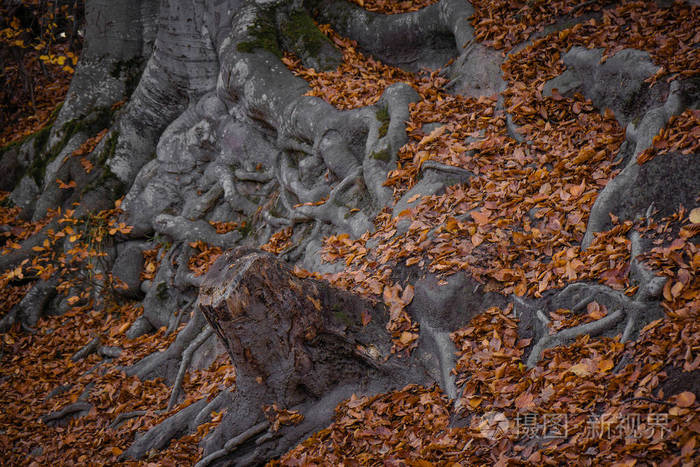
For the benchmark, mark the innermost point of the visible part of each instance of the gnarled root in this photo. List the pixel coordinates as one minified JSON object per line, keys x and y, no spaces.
{"x":562,"y":337}
{"x":185,"y":230}
{"x":185,"y":363}
{"x":579,"y":295}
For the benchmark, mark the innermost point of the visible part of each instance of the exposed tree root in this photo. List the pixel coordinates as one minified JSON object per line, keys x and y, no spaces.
{"x":30,"y":309}
{"x":637,"y":310}
{"x":232,"y":444}
{"x":184,"y":278}
{"x":178,"y":316}
{"x":107,"y":351}
{"x":15,"y":257}
{"x":184,"y":230}
{"x":90,"y":348}
{"x":200,"y":205}
{"x":75,"y":409}
{"x":122,"y":417}
{"x":185,"y":363}
{"x":562,"y":337}
{"x":159,"y":436}
{"x":303,"y":183}
{"x":162,"y":363}
{"x":449,"y":170}
{"x":427,"y":37}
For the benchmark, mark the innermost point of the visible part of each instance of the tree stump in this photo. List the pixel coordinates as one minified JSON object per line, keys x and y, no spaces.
{"x":295,"y":338}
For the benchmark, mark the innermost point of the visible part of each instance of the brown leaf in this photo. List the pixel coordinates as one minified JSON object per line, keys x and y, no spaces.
{"x":694,"y":216}
{"x":366,"y":317}
{"x":407,"y":337}
{"x":688,"y":447}
{"x":605,"y":365}
{"x":480,"y":218}
{"x":581,"y":370}
{"x":525,"y":401}
{"x":685,"y":399}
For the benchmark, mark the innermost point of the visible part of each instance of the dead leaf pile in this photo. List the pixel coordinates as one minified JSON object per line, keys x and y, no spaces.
{"x":391,"y":7}
{"x":200,"y":262}
{"x":278,"y":417}
{"x":36,"y":365}
{"x":360,"y":80}
{"x":516,"y":227}
{"x":37,"y":67}
{"x":682,"y":134}
{"x":279,"y":241}
{"x":406,"y":426}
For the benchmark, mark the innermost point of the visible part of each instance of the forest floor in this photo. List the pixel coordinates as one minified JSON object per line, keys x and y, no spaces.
{"x":596,"y":401}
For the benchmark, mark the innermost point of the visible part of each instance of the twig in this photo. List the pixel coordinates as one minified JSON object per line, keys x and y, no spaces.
{"x":648,"y":399}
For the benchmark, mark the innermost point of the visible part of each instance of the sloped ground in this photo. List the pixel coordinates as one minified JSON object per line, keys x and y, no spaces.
{"x":516,"y":228}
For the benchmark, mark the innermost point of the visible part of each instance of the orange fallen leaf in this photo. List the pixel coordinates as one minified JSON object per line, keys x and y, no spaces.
{"x":685,"y":399}
{"x":407,"y":337}
{"x":605,"y":365}
{"x":480,"y":218}
{"x":581,"y":370}
{"x":694,"y":216}
{"x":366,"y":317}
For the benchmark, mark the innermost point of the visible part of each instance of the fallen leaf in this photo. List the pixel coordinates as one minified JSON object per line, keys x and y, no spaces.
{"x":605,"y":365}
{"x":685,"y":399}
{"x":581,"y":370}
{"x":407,"y":337}
{"x":694,"y":216}
{"x":366,"y":317}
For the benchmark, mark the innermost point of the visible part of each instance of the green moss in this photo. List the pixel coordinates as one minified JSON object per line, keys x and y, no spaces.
{"x":382,"y":155}
{"x":303,"y":34}
{"x":95,"y":122}
{"x":41,"y":137}
{"x":107,"y":178}
{"x":109,"y":149}
{"x":245,"y":228}
{"x":297,"y":33}
{"x":264,"y":35}
{"x":109,"y":181}
{"x":162,"y":291}
{"x":383,"y":116}
{"x":342,"y":317}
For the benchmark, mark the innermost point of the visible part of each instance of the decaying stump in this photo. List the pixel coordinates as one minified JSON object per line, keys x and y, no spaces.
{"x":299,"y":343}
